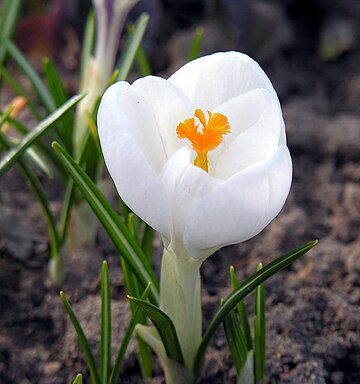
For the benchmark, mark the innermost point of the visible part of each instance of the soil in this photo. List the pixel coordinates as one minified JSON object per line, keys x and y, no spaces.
{"x":313,"y":307}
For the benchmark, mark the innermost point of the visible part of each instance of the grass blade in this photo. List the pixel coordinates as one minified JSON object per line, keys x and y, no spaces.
{"x":78,"y":379}
{"x":147,"y":241}
{"x":57,"y":90}
{"x":20,"y":91}
{"x":9,"y":15}
{"x":143,"y":62}
{"x":90,"y":361}
{"x":105,"y":341}
{"x":244,"y":289}
{"x":128,"y":56}
{"x":35,"y":80}
{"x":236,"y":341}
{"x":165,"y":328}
{"x":87,"y":44}
{"x":133,"y":289}
{"x":14,"y":154}
{"x":40,"y":194}
{"x":259,"y":330}
{"x":114,"y":226}
{"x":196,"y":44}
{"x":126,"y":339}
{"x":242,"y":312}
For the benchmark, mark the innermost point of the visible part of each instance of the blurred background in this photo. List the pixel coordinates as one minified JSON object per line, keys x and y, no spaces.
{"x":310,"y":51}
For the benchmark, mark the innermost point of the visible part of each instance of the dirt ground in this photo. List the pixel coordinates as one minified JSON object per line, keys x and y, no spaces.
{"x":310,"y":50}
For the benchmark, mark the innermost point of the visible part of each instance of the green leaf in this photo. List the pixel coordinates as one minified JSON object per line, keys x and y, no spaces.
{"x":143,"y":62}
{"x":89,"y":358}
{"x":126,"y":339}
{"x":57,"y":90}
{"x":259,"y":330}
{"x":165,"y":328}
{"x":87,"y":44}
{"x":9,"y":15}
{"x":14,"y":154}
{"x":19,"y":90}
{"x":40,"y":194}
{"x":242,"y":312}
{"x":105,"y":340}
{"x":33,"y":158}
{"x":35,"y":80}
{"x":244,"y":289}
{"x":128,"y":56}
{"x":236,"y":341}
{"x":147,"y":241}
{"x":78,"y":379}
{"x":114,"y":226}
{"x":196,"y":44}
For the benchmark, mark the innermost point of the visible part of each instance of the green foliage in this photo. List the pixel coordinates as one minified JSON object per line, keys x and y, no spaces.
{"x":165,"y":328}
{"x":129,"y":54}
{"x":114,"y":226}
{"x":14,"y":154}
{"x":239,"y":294}
{"x":104,"y":375}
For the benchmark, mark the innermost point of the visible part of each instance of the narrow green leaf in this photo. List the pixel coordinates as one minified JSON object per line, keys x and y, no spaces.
{"x":35,"y":80}
{"x":128,"y":56}
{"x":33,"y":158}
{"x":259,"y":330}
{"x":126,"y":339}
{"x":236,"y":341}
{"x":143,"y":62}
{"x":40,"y":195}
{"x":90,"y":361}
{"x":78,"y":379}
{"x":196,"y":44}
{"x":88,"y":44}
{"x":9,"y":14}
{"x":165,"y":328}
{"x":19,"y":90}
{"x":105,"y":340}
{"x":57,"y":90}
{"x":133,"y":289}
{"x":244,"y":289}
{"x":242,"y":312}
{"x":114,"y":226}
{"x":45,"y":153}
{"x":13,"y":155}
{"x":147,"y":241}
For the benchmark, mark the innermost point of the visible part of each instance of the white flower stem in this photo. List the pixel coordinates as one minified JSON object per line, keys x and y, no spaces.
{"x":180,"y":300}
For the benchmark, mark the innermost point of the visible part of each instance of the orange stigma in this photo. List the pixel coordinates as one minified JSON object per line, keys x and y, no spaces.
{"x":208,"y":138}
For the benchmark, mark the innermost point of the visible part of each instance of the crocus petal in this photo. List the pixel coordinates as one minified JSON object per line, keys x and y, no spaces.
{"x":239,"y":208}
{"x":135,"y":179}
{"x":154,"y":127}
{"x":185,"y":184}
{"x":253,"y":145}
{"x":211,"y":80}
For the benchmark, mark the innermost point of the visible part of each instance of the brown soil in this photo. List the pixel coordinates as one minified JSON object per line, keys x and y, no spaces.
{"x":313,"y":312}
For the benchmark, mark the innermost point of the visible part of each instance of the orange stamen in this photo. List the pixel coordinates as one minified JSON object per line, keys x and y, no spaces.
{"x":208,"y":138}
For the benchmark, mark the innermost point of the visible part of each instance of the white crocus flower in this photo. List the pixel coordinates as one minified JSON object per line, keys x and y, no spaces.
{"x":202,"y":158}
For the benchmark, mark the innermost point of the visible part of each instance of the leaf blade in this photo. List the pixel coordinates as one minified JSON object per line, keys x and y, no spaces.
{"x":245,"y":288}
{"x":165,"y":328}
{"x":89,"y":357}
{"x":116,"y":229}
{"x":105,"y":338}
{"x":14,"y":154}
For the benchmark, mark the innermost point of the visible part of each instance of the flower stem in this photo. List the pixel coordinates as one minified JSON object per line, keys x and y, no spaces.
{"x":180,"y":300}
